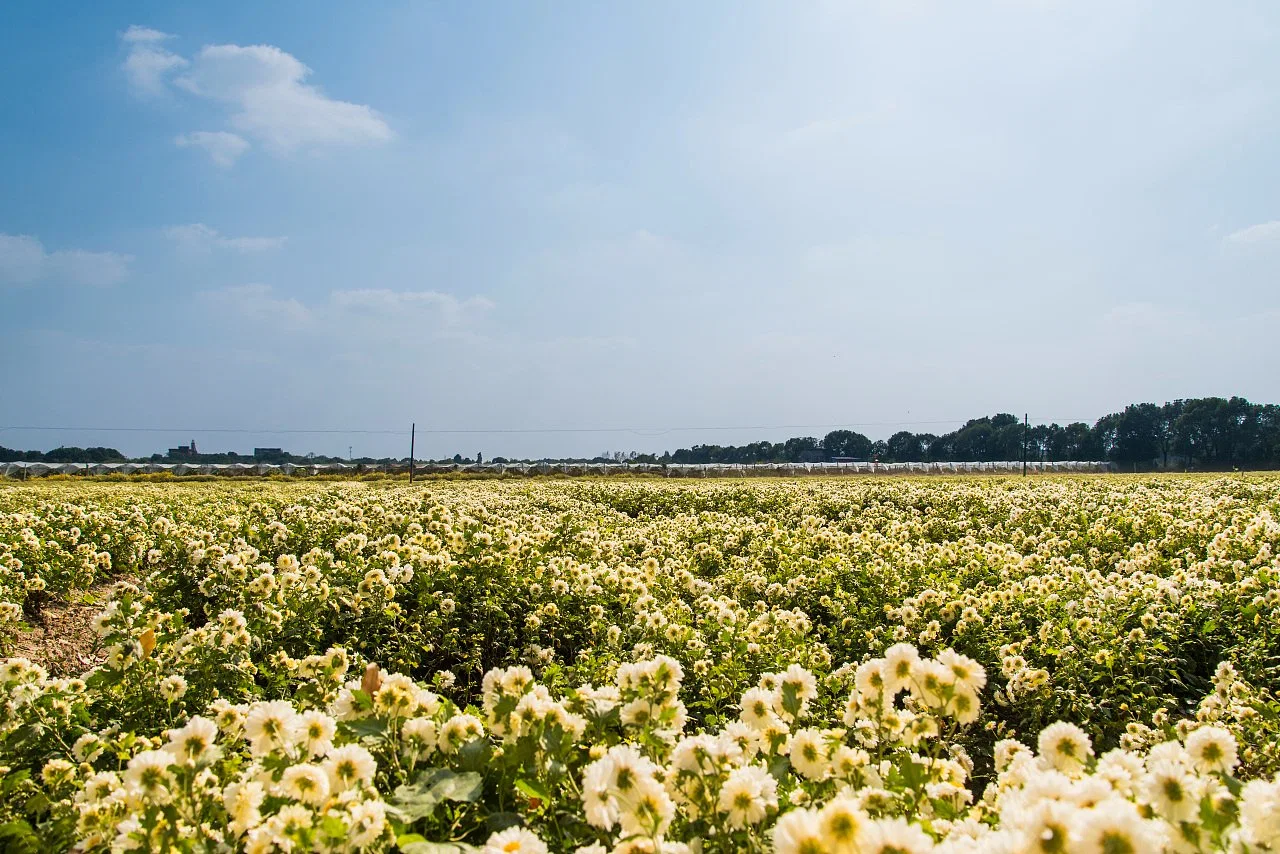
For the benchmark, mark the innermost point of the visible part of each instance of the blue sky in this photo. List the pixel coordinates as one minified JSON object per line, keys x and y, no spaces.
{"x":662,"y":215}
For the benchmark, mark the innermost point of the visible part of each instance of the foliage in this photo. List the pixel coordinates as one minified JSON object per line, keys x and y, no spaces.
{"x":971,"y":664}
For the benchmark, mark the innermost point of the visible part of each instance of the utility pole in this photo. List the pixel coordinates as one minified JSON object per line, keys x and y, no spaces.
{"x":1025,"y":435}
{"x":412,"y":430}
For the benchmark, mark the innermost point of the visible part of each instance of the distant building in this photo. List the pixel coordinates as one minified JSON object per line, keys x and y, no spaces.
{"x":184,"y":451}
{"x":268,"y":452}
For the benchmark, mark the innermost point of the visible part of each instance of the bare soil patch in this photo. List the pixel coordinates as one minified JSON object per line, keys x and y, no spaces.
{"x":61,"y":638}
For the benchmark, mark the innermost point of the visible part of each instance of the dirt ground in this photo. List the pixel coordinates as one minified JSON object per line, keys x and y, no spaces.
{"x":62,"y":640}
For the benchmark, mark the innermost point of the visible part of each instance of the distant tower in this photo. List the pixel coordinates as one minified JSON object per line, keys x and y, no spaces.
{"x":479,"y":457}
{"x":193,"y":447}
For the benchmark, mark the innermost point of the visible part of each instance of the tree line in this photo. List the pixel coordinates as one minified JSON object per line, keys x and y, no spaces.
{"x":1198,"y":433}
{"x":1201,"y":433}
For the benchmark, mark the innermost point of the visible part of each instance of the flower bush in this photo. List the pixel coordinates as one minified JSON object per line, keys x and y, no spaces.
{"x":858,"y":665}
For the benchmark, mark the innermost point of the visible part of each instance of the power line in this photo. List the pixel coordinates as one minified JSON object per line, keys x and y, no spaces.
{"x":491,"y":430}
{"x":639,"y":431}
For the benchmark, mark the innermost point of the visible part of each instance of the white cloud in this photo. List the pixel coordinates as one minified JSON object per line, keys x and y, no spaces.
{"x":136,"y":34}
{"x":263,"y":88}
{"x":148,"y":65}
{"x":421,"y":309}
{"x":1263,"y":232}
{"x":449,"y":308}
{"x":260,"y":304}
{"x":222,"y":147}
{"x":198,"y":237}
{"x":24,"y":261}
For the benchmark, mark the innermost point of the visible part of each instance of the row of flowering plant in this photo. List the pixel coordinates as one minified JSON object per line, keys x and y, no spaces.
{"x":378,"y":761}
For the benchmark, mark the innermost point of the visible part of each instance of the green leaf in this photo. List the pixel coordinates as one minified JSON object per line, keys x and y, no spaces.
{"x":433,"y":787}
{"x":533,"y":789}
{"x":366,"y":727}
{"x":18,"y":837}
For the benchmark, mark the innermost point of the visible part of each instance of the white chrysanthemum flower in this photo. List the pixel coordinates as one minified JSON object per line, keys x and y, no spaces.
{"x":639,"y":712}
{"x":349,"y":766}
{"x":305,"y":782}
{"x":801,"y":681}
{"x":841,"y":821}
{"x":1260,"y":812}
{"x":1114,"y":827}
{"x":963,"y":704}
{"x":314,"y":732}
{"x":758,"y":707}
{"x":1065,"y":747}
{"x":646,"y":808}
{"x":148,"y":774}
{"x":747,"y":795}
{"x":1121,"y":769}
{"x":1172,"y":790}
{"x":1005,"y":752}
{"x":870,"y":681}
{"x":172,"y":688}
{"x":195,"y":741}
{"x":291,"y":820}
{"x":964,"y":669}
{"x":366,"y":821}
{"x":1045,"y":825}
{"x":598,"y":803}
{"x":809,"y":754}
{"x":88,"y":747}
{"x":242,"y":801}
{"x":799,"y":831}
{"x":269,"y":726}
{"x":458,"y":731}
{"x":892,"y":836}
{"x":1212,"y":750}
{"x":514,"y":840}
{"x":901,"y":663}
{"x":420,"y":735}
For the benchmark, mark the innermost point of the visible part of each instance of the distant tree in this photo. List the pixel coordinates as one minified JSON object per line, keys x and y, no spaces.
{"x":1132,"y":437}
{"x":802,"y":449}
{"x":846,"y":443}
{"x":905,"y":447}
{"x":1212,"y":430}
{"x":1166,"y":430}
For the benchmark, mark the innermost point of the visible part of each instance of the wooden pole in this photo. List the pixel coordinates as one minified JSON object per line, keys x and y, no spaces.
{"x":412,"y":430}
{"x":1025,"y":437}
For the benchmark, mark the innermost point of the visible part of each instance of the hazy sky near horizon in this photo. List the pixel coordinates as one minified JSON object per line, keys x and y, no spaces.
{"x":660,"y":215}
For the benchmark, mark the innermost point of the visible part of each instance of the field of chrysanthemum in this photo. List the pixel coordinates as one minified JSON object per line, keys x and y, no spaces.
{"x":957,"y":665}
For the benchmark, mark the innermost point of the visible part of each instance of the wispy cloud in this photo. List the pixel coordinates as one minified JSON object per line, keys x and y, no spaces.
{"x":448,"y":308}
{"x":24,"y":261}
{"x":222,"y":147}
{"x":198,"y":237}
{"x":148,"y":65}
{"x":261,"y":303}
{"x":1262,"y":233}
